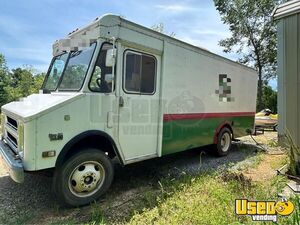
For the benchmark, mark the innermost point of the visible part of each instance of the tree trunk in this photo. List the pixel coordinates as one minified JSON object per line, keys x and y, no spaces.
{"x":259,"y":90}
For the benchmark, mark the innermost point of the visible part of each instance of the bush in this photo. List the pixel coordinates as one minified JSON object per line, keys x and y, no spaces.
{"x":294,"y":156}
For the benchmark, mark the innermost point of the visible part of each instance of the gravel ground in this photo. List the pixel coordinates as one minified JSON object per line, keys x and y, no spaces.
{"x":33,"y":201}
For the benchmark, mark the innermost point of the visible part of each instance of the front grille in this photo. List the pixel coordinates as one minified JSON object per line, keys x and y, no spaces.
{"x":12,"y":123}
{"x":12,"y":139}
{"x":11,"y":133}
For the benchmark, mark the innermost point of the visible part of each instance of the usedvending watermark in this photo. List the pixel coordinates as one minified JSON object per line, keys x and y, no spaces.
{"x":263,"y":210}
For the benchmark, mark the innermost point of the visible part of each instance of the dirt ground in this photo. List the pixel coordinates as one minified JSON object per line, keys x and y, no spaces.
{"x":271,"y":161}
{"x":33,"y":201}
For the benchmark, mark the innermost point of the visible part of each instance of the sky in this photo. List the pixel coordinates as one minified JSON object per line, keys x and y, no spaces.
{"x":29,"y":28}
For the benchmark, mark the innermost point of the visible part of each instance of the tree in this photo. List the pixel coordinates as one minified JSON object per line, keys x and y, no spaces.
{"x":22,"y":80}
{"x":23,"y":83}
{"x":269,"y":98}
{"x":253,"y":36}
{"x":37,"y":82}
{"x":19,"y":82}
{"x":160,"y":27}
{"x":4,"y":80}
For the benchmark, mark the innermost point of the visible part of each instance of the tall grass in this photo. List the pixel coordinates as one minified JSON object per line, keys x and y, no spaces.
{"x":294,"y":155}
{"x":294,"y":219}
{"x":296,"y":216}
{"x":206,"y":199}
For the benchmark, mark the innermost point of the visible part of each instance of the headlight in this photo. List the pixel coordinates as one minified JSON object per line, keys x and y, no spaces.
{"x":2,"y":125}
{"x":21,"y":136}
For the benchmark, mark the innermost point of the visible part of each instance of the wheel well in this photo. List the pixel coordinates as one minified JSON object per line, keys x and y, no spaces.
{"x":226,"y":124}
{"x":88,"y":140}
{"x":229,"y":127}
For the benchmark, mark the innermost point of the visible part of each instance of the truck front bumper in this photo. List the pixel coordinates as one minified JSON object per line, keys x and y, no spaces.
{"x":12,"y":163}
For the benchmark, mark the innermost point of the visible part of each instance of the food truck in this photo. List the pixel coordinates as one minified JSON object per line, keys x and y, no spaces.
{"x":118,"y":90}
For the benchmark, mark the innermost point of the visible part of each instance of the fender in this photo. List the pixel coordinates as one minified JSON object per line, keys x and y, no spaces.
{"x":82,"y":136}
{"x":224,"y":124}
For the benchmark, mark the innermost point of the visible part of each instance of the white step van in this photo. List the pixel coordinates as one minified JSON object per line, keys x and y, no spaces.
{"x":116,"y":89}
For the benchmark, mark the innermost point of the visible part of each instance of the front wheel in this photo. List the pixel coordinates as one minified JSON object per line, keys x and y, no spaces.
{"x":83,"y":178}
{"x":223,"y":142}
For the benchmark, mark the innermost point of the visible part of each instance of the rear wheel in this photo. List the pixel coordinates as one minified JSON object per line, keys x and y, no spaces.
{"x":83,"y":178}
{"x":223,"y":145}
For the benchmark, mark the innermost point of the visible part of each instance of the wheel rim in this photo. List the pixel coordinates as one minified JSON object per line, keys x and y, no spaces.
{"x":86,"y":179}
{"x":225,"y":142}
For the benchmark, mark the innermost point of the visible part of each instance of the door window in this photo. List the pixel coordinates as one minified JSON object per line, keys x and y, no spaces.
{"x":101,"y":80}
{"x":139,"y":73}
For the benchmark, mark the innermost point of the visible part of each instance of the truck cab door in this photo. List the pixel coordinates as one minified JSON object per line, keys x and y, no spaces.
{"x":139,"y":105}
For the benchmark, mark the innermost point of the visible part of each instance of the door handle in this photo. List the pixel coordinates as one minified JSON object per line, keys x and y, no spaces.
{"x":121,"y":101}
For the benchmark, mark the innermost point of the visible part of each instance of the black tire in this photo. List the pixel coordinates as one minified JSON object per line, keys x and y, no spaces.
{"x":95,"y":163}
{"x":221,"y":150}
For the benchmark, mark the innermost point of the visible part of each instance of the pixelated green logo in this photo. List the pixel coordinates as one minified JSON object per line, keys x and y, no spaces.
{"x":224,"y":90}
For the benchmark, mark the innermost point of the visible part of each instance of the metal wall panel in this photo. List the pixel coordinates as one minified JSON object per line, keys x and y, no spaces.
{"x":298,"y":81}
{"x":291,"y":67}
{"x":289,"y":72}
{"x":281,"y":81}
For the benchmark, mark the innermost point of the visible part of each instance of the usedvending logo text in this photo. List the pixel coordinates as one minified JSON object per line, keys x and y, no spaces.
{"x":263,"y":210}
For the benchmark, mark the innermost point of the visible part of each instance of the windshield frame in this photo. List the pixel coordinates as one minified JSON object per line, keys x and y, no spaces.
{"x":63,"y":73}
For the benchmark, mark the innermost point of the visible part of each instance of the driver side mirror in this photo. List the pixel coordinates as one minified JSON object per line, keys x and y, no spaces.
{"x":109,"y":78}
{"x":110,"y":60}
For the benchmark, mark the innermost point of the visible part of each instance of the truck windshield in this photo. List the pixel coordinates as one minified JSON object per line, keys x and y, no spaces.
{"x":57,"y":68}
{"x":68,"y":71}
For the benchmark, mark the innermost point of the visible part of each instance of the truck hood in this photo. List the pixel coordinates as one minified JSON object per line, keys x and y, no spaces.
{"x":37,"y":104}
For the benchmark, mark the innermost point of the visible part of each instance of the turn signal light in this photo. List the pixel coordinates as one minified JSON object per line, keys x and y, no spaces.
{"x":48,"y":154}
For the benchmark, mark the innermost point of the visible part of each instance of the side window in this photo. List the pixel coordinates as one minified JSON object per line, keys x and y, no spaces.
{"x":140,"y":73}
{"x":101,"y":80}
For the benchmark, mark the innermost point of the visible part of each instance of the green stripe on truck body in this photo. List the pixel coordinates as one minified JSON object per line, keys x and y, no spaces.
{"x":186,"y":131}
